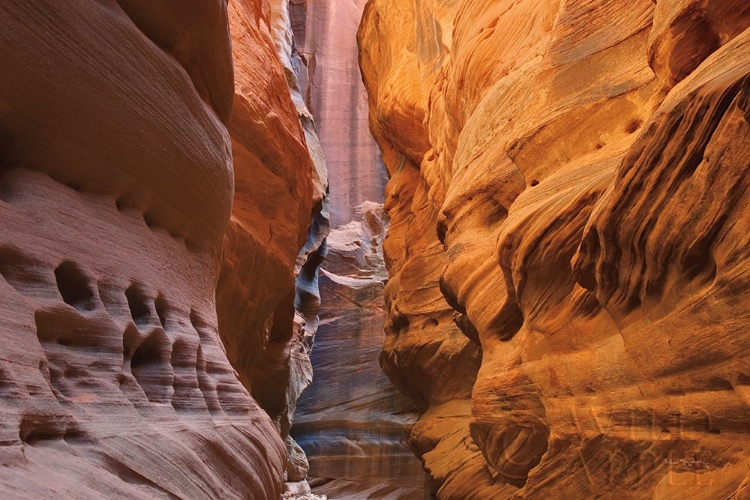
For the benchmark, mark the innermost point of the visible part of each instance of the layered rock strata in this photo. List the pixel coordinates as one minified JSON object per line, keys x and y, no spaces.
{"x":352,"y":421}
{"x":268,"y":325}
{"x":568,"y":200}
{"x":130,"y":240}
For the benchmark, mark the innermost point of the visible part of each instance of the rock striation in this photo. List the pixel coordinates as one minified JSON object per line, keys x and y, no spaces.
{"x":155,"y":189}
{"x":568,"y":243}
{"x":352,"y":421}
{"x":280,"y":197}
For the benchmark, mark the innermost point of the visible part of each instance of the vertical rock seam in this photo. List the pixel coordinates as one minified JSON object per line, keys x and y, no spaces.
{"x":351,"y":421}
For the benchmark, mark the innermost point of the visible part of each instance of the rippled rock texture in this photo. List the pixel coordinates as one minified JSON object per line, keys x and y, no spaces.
{"x":568,"y":302}
{"x":277,"y":162}
{"x":118,"y":199}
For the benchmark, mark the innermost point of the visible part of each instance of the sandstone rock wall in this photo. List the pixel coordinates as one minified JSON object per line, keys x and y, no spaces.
{"x":568,"y":301}
{"x":130,"y":241}
{"x":325,"y":34}
{"x":279,"y":208}
{"x":352,"y":421}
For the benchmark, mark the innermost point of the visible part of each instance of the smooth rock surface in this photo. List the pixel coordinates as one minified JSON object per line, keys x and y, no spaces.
{"x":568,"y":302}
{"x":325,"y":33}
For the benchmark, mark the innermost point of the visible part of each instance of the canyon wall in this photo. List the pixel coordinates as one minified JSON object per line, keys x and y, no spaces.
{"x":351,"y":422}
{"x":270,"y":303}
{"x":325,"y":35}
{"x":568,"y":302}
{"x":138,"y":260}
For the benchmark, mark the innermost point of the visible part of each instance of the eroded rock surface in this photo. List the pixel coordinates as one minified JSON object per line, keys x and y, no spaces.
{"x":279,"y":208}
{"x":351,"y":421}
{"x":118,"y":124}
{"x":568,"y":301}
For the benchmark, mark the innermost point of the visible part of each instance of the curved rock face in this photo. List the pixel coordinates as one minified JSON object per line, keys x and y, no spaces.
{"x":116,"y":191}
{"x":272,"y":202}
{"x":279,"y":192}
{"x":568,"y":246}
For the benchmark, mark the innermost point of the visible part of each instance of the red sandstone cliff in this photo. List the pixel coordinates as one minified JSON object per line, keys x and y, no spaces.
{"x":280,"y":190}
{"x":568,"y":303}
{"x":155,"y":189}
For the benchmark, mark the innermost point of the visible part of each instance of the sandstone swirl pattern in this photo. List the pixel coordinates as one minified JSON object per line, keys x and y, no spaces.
{"x":568,"y":303}
{"x":118,"y":124}
{"x":280,"y":188}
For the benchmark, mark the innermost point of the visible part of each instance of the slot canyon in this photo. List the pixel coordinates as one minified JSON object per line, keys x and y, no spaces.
{"x":375,"y":249}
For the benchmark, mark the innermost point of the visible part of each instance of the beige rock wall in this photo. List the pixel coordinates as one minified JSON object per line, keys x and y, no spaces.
{"x":568,"y":197}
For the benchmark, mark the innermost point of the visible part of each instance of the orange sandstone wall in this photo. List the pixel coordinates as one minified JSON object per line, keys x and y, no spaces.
{"x":568,"y":302}
{"x":130,"y":242}
{"x":272,"y":196}
{"x":280,"y":192}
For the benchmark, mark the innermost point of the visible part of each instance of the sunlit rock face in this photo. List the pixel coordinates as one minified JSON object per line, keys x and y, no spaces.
{"x":568,"y":302}
{"x":118,"y":124}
